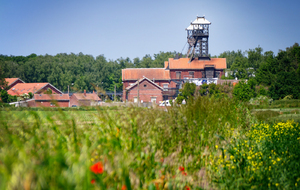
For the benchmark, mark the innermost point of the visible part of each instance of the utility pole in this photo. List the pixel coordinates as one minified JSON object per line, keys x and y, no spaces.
{"x":69,"y":93}
{"x":115,"y":94}
{"x":138,"y":93}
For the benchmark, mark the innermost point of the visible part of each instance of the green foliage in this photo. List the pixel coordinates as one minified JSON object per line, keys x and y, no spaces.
{"x":265,"y":115}
{"x":6,"y":98}
{"x":265,"y":157}
{"x":240,"y":68}
{"x":79,"y":71}
{"x":216,"y":90}
{"x":30,"y":95}
{"x":261,"y":101}
{"x":281,"y":73}
{"x":55,"y":149}
{"x":3,"y":83}
{"x":244,"y":64}
{"x":231,"y":56}
{"x":244,"y":91}
{"x":286,"y":103}
{"x":186,"y":93}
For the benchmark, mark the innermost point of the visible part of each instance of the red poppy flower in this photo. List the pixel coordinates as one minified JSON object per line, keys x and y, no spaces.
{"x":93,"y":181}
{"x":97,"y":168}
{"x":181,"y":168}
{"x":183,"y":173}
{"x":187,"y":188}
{"x":124,"y":187}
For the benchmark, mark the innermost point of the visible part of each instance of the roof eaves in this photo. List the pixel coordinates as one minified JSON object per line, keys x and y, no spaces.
{"x":144,"y":78}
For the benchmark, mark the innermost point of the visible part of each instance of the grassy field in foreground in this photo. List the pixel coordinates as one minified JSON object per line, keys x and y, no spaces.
{"x":188,"y":147}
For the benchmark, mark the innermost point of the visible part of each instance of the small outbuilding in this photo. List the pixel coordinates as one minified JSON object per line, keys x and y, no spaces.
{"x":84,"y":99}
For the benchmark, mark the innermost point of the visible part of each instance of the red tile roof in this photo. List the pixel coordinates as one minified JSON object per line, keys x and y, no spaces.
{"x":22,"y":88}
{"x":183,"y":63}
{"x":12,"y":80}
{"x":151,"y":73}
{"x":87,"y":96}
{"x":52,"y":97}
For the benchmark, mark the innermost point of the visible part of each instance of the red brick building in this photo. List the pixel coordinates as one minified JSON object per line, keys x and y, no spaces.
{"x":50,"y":100}
{"x":168,"y":80}
{"x":84,"y":99}
{"x":145,"y":90}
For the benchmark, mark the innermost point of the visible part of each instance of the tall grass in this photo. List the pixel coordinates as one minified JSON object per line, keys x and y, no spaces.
{"x":139,"y":148}
{"x":181,"y":147}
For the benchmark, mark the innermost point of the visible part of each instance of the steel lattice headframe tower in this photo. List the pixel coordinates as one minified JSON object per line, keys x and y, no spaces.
{"x":197,"y":38}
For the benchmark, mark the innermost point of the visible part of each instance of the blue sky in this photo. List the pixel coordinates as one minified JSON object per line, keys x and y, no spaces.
{"x":136,"y":28}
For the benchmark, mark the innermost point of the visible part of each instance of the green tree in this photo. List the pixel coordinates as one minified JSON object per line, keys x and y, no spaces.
{"x":187,"y":92}
{"x":231,"y":56}
{"x":255,"y":57}
{"x":244,"y":91}
{"x":3,"y":83}
{"x":281,"y":73}
{"x":4,"y":96}
{"x":240,"y":68}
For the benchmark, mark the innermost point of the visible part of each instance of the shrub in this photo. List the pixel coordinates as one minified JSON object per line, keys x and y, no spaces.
{"x":266,"y":157}
{"x":261,"y":101}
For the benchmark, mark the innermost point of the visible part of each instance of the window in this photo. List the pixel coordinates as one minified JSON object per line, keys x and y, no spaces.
{"x":191,"y":74}
{"x":178,"y":75}
{"x":145,"y":85}
{"x":135,"y":100}
{"x":153,"y":99}
{"x":52,"y":104}
{"x":165,"y":86}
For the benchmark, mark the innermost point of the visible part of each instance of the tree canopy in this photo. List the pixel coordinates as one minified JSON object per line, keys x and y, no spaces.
{"x":78,"y":71}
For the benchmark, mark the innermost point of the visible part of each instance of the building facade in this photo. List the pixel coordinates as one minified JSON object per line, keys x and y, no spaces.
{"x":50,"y":100}
{"x":168,"y":80}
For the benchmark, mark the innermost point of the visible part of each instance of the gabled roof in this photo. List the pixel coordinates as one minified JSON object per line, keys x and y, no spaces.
{"x":12,"y":80}
{"x":141,"y":80}
{"x":151,"y":73}
{"x":52,"y":97}
{"x":199,"y":20}
{"x":183,"y":63}
{"x":87,"y":96}
{"x":22,"y":88}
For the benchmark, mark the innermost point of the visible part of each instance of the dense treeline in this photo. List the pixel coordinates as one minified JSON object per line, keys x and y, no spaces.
{"x":79,"y":71}
{"x":280,"y":73}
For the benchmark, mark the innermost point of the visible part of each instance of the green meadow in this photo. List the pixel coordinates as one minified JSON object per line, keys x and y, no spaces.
{"x":210,"y":143}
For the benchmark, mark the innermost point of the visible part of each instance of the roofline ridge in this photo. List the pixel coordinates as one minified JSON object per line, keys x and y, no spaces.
{"x":144,"y":68}
{"x":144,"y":78}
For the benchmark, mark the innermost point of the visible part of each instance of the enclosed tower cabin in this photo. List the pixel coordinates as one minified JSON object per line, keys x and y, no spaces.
{"x":197,"y":38}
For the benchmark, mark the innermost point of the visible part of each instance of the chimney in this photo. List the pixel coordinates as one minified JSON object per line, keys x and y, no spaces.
{"x":84,"y":92}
